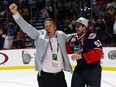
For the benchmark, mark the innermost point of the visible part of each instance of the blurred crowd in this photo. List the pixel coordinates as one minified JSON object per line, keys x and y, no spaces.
{"x":101,"y":15}
{"x":11,"y":36}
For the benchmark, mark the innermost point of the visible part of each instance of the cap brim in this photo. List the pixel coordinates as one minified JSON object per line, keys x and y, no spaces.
{"x":78,"y":22}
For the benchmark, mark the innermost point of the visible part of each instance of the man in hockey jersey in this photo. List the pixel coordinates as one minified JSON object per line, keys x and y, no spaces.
{"x":87,"y":52}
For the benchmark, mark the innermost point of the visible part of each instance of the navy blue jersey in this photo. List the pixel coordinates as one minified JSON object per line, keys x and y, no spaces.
{"x":89,"y":46}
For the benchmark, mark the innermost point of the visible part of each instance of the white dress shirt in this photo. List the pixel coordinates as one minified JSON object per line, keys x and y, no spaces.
{"x":47,"y":65}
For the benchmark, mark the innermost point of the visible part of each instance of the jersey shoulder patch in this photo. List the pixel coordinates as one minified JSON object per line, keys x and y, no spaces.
{"x":92,"y":36}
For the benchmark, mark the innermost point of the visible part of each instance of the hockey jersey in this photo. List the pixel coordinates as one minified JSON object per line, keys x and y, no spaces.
{"x":90,"y":47}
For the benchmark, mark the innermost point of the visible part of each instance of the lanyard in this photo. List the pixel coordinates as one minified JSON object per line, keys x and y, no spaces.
{"x":52,"y":47}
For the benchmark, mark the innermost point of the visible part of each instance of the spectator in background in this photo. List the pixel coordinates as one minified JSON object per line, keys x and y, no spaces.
{"x":66,"y":28}
{"x":8,"y":40}
{"x":11,"y":28}
{"x":24,"y":3}
{"x":114,"y":31}
{"x":50,"y":11}
{"x":1,"y":39}
{"x":101,"y":30}
{"x":87,"y":52}
{"x":1,"y":33}
{"x":72,"y":26}
{"x":25,"y":13}
{"x":19,"y":40}
{"x":109,"y":19}
{"x":44,"y":12}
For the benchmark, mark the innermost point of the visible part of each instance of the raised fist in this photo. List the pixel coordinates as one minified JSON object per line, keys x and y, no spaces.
{"x":13,"y":8}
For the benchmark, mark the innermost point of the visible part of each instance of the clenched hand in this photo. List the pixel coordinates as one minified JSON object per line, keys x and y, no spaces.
{"x":13,"y":8}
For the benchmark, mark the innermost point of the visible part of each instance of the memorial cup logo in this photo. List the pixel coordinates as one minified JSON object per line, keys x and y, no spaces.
{"x":26,"y":57}
{"x":112,"y":55}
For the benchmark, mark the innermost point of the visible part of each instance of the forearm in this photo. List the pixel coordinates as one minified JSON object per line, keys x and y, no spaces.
{"x":26,"y":27}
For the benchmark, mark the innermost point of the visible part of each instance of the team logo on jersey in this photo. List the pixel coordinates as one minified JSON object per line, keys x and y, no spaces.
{"x":78,"y":49}
{"x":92,"y":36}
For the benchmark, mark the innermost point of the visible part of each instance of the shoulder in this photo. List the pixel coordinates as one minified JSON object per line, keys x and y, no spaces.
{"x":60,"y":32}
{"x":92,"y":35}
{"x":92,"y":40}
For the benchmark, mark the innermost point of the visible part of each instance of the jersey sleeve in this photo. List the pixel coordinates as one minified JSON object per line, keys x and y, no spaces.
{"x":93,"y":48}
